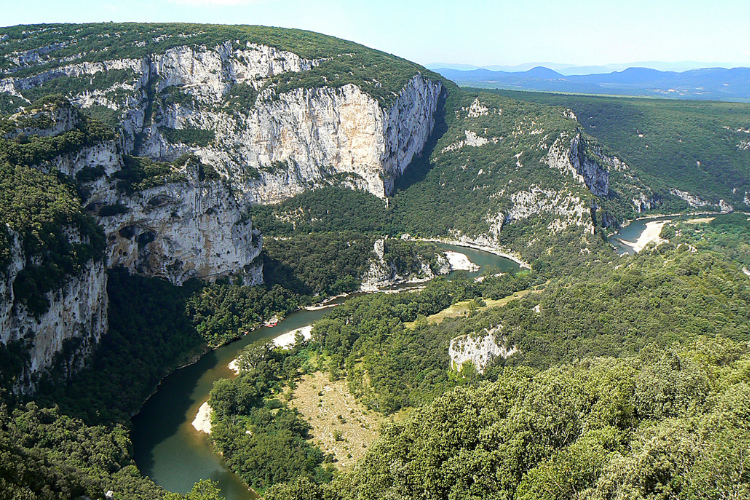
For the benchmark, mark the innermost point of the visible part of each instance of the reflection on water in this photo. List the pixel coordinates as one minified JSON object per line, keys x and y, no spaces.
{"x":167,"y":447}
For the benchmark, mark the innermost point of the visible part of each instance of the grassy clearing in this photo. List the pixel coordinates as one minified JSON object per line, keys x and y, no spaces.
{"x":703,"y":220}
{"x":464,"y":307}
{"x":340,"y":425}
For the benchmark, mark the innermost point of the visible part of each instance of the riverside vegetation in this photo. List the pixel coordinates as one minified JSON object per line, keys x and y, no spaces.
{"x":631,"y":373}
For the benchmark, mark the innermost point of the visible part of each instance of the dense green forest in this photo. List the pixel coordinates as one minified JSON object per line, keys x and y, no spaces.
{"x":629,"y":376}
{"x":728,"y":235}
{"x":667,"y":423}
{"x":261,"y":438}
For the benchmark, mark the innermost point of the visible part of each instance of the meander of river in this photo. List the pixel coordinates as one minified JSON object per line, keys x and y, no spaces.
{"x":167,"y":447}
{"x":172,"y":453}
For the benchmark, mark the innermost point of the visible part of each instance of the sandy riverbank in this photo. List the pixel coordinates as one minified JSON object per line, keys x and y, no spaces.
{"x":288,"y":339}
{"x":202,"y":420}
{"x":484,"y":248}
{"x":460,"y":262}
{"x":649,"y":235}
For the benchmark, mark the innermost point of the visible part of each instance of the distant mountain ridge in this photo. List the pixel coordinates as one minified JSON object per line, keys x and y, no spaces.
{"x":706,"y":84}
{"x":590,"y":69}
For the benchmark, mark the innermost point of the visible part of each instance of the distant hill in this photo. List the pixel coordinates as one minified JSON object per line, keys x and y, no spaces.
{"x":707,"y":84}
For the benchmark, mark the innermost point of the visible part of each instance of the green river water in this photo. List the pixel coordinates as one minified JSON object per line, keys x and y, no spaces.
{"x":167,"y":447}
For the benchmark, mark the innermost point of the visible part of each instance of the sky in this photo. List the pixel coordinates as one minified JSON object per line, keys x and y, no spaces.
{"x":481,"y":33}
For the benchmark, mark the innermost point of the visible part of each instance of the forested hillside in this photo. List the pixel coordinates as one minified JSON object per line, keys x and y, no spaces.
{"x":664,"y":424}
{"x":696,"y":147}
{"x":185,"y":201}
{"x":28,"y":50}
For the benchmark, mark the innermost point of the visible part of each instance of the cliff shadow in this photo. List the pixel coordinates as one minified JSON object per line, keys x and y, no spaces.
{"x":276,"y":272}
{"x":161,"y":417}
{"x":417,"y":170}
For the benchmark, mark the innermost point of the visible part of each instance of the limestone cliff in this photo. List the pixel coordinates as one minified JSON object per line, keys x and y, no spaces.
{"x":223,"y":103}
{"x":583,"y":163}
{"x":185,"y":225}
{"x":383,"y":273}
{"x":74,"y":321}
{"x":477,"y":349}
{"x":265,"y":120}
{"x":189,"y":229}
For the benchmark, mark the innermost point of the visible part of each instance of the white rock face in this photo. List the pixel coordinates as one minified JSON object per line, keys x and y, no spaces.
{"x":472,"y":139}
{"x":477,"y":109}
{"x":208,"y":74}
{"x":725,"y":207}
{"x":77,"y":313}
{"x":477,"y":349}
{"x":569,"y":209}
{"x":13,"y":85}
{"x":184,"y":230}
{"x":571,"y":158}
{"x":644,"y":203}
{"x":382,"y":274}
{"x":693,"y":200}
{"x":285,"y":143}
{"x":312,"y":134}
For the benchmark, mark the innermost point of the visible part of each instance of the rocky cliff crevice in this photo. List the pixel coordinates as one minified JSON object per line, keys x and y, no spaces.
{"x":586,"y":164}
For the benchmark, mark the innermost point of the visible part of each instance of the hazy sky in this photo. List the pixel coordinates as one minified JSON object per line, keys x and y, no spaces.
{"x":583,"y":32}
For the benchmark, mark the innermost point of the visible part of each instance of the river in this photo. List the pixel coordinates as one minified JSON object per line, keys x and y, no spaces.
{"x":167,"y":447}
{"x":623,"y":239}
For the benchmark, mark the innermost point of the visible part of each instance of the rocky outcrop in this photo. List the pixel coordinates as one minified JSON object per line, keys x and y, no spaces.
{"x":584,"y":163}
{"x":383,"y":274}
{"x":301,"y":138}
{"x":50,"y":120}
{"x":692,"y":200}
{"x":644,"y":203}
{"x":568,"y":209}
{"x":477,"y":349}
{"x":183,"y":230}
{"x":472,"y":139}
{"x":74,"y":322}
{"x":697,"y":202}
